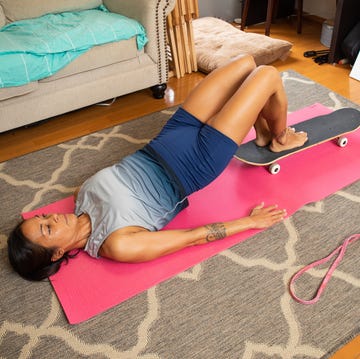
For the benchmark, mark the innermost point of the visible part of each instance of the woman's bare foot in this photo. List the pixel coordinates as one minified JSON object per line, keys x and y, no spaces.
{"x":288,"y":140}
{"x":263,"y":139}
{"x":263,"y":134}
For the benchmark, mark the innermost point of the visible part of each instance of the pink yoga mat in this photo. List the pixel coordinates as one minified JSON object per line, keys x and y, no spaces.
{"x":86,"y":287}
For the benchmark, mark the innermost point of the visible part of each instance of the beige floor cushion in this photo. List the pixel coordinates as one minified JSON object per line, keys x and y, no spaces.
{"x":217,"y":42}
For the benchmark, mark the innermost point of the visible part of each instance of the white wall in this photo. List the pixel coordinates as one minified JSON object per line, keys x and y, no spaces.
{"x":230,"y":9}
{"x":322,"y":8}
{"x":225,"y":9}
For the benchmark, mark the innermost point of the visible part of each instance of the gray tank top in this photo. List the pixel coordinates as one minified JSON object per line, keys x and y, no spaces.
{"x":137,"y":191}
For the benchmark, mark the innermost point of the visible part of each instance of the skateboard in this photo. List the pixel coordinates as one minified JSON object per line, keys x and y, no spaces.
{"x":319,"y":129}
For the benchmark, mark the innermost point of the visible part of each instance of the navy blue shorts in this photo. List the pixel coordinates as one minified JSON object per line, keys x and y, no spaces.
{"x":195,"y":152}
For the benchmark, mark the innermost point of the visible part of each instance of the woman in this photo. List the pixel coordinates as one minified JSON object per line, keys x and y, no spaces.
{"x":121,"y":209}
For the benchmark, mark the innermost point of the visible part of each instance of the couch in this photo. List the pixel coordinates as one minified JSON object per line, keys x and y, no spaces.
{"x":104,"y":72}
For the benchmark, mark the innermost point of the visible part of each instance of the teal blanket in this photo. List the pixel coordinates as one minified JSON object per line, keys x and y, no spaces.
{"x":33,"y":49}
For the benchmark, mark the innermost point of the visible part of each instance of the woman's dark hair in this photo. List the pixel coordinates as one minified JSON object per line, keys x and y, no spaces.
{"x":30,"y":260}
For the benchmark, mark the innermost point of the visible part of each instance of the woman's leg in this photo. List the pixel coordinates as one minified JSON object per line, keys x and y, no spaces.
{"x":212,"y":93}
{"x":260,"y":101}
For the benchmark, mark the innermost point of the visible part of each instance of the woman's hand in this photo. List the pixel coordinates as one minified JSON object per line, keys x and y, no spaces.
{"x":264,"y":217}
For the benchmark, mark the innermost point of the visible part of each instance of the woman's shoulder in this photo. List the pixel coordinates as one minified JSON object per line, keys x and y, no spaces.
{"x":114,"y":244}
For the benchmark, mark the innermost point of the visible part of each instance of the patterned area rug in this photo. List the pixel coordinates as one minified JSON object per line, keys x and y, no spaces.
{"x":234,"y":305}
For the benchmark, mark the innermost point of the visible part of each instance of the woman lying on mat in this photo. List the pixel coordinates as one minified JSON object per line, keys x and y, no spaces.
{"x":121,"y":209}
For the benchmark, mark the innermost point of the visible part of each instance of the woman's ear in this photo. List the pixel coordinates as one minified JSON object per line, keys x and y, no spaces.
{"x":58,"y":253}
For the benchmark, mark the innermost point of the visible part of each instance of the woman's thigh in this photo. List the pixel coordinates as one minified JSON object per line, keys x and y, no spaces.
{"x":208,"y":98}
{"x":241,"y":111}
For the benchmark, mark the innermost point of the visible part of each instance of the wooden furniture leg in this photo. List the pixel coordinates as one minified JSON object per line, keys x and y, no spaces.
{"x":271,"y":10}
{"x":172,"y":43}
{"x":299,"y":16}
{"x":269,"y":16}
{"x":244,"y":15}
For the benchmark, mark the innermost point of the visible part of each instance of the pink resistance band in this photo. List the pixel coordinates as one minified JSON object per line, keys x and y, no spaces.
{"x":341,"y":250}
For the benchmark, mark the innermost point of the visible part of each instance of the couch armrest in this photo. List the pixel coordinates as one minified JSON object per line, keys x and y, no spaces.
{"x":152,"y":15}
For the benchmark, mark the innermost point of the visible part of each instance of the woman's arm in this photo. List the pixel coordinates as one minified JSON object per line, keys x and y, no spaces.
{"x":140,"y":245}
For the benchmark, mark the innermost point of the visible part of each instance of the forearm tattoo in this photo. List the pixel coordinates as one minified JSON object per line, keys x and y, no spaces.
{"x":215,"y":231}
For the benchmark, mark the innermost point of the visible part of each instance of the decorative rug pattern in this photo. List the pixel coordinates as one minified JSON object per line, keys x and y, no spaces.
{"x":234,"y":305}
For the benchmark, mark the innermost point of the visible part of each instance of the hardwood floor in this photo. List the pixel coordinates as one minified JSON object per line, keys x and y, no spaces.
{"x":349,"y":351}
{"x":81,"y":122}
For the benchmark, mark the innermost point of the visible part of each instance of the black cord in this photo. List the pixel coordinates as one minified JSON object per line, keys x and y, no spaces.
{"x":313,"y":53}
{"x":322,"y":59}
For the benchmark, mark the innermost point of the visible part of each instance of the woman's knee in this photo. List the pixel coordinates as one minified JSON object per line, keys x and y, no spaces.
{"x":272,"y":82}
{"x":241,"y":65}
{"x":245,"y":61}
{"x":246,"y":58}
{"x":270,"y":73}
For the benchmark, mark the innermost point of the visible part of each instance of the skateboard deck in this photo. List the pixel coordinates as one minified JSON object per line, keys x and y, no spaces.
{"x":319,"y":129}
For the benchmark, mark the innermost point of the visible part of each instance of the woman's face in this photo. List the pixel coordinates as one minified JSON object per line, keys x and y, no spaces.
{"x":51,"y":230}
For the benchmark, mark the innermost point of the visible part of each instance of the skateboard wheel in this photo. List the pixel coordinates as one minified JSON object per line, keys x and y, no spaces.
{"x":342,"y":141}
{"x":274,"y":168}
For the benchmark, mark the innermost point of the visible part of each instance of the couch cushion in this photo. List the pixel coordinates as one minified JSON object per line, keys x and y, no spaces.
{"x":8,"y":92}
{"x":99,"y":56}
{"x":217,"y":42}
{"x":17,"y":10}
{"x":2,"y":17}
